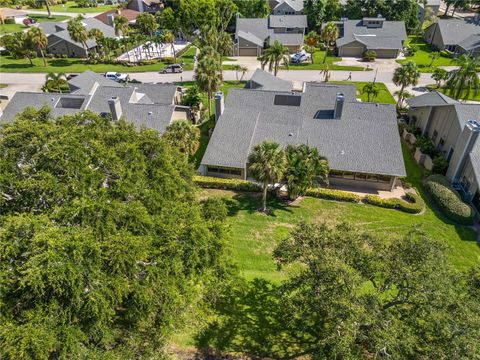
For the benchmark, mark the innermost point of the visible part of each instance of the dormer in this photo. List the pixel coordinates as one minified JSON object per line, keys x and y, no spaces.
{"x":373,"y":22}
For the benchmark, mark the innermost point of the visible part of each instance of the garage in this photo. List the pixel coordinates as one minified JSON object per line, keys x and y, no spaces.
{"x":351,"y":51}
{"x":247,"y":52}
{"x":386,"y":53}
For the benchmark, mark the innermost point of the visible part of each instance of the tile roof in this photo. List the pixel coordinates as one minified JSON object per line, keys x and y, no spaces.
{"x":131,"y":15}
{"x":365,"y":139}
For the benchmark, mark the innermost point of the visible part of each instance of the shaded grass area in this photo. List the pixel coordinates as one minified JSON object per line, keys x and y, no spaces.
{"x":74,"y":65}
{"x":384,"y":96}
{"x":421,"y":57}
{"x":465,"y":95}
{"x":3,"y":86}
{"x":11,"y":28}
{"x":72,"y":7}
{"x":319,"y":64}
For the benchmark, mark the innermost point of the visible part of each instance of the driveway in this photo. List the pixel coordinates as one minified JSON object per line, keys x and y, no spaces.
{"x":250,"y":62}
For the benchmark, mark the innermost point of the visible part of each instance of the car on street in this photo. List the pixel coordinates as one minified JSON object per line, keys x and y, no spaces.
{"x":300,"y":57}
{"x":118,"y":77}
{"x":174,"y":68}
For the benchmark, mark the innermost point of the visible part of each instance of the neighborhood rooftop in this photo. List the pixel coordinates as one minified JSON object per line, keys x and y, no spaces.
{"x":262,"y":80}
{"x":363,"y":139}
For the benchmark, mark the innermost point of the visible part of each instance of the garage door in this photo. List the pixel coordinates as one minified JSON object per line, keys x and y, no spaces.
{"x":248,"y":52}
{"x":386,"y":53}
{"x":351,"y":51}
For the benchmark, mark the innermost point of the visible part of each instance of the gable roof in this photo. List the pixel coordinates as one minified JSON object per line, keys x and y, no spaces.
{"x":365,"y":139}
{"x":433,"y":98}
{"x":263,"y":80}
{"x":130,"y":14}
{"x":85,"y":82}
{"x":295,"y":5}
{"x":288,"y":21}
{"x":389,"y":36}
{"x":456,"y":31}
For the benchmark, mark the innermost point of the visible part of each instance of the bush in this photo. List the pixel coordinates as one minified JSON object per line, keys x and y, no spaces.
{"x":330,"y":194}
{"x":148,"y":62}
{"x":168,"y":60}
{"x":412,"y":49}
{"x":426,"y":146}
{"x":440,"y":165}
{"x":369,"y":55}
{"x":415,"y":204}
{"x":448,"y":200}
{"x":226,"y":184}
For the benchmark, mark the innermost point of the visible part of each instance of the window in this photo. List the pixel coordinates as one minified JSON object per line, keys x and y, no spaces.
{"x":217,"y":170}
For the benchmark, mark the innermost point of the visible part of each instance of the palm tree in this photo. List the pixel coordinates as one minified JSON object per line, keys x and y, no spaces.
{"x":312,"y":39}
{"x":434,"y":55}
{"x":274,"y":56}
{"x":224,"y":44}
{"x":169,"y":38}
{"x":371,"y":90}
{"x":462,"y":80}
{"x":47,"y":5}
{"x":39,"y":40}
{"x":97,"y":35}
{"x":329,"y":35}
{"x":311,"y":50}
{"x":267,"y":164}
{"x":55,"y":80}
{"x":121,"y":25}
{"x":326,"y":73}
{"x":402,"y":96}
{"x":240,"y":69}
{"x":405,"y":75}
{"x":78,"y":32}
{"x":208,"y":75}
{"x":183,"y":136}
{"x":439,"y":75}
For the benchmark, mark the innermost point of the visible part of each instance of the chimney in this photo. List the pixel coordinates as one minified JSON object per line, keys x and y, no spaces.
{"x":339,"y":101}
{"x":219,"y":105}
{"x":110,"y":19}
{"x":463,"y":147}
{"x":115,"y":108}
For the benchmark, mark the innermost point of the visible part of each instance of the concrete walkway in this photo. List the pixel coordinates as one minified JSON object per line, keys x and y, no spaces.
{"x":59,"y":13}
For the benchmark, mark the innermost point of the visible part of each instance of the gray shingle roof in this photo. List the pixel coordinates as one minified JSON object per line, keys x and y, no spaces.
{"x":262,"y":80}
{"x":471,"y":43}
{"x":365,"y":139}
{"x":150,"y":105}
{"x":389,"y":36}
{"x":84,"y":83}
{"x":433,"y":98}
{"x":467,"y":112}
{"x":296,"y":5}
{"x":288,"y":21}
{"x":456,"y":31}
{"x":287,"y":39}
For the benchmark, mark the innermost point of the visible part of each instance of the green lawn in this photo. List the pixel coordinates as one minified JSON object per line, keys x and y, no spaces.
{"x":3,"y":86}
{"x":421,"y":57}
{"x":73,"y":65}
{"x":254,"y":235}
{"x":71,"y":7}
{"x":384,"y":96}
{"x":463,"y":96}
{"x":319,"y":64}
{"x":11,"y":28}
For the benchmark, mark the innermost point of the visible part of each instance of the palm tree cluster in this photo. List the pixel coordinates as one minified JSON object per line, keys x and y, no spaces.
{"x":300,"y":166}
{"x":274,"y":56}
{"x":462,"y":81}
{"x":26,"y":44}
{"x":405,"y":75}
{"x":208,"y":73}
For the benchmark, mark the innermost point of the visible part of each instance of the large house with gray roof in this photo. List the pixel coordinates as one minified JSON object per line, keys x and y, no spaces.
{"x":456,"y":35}
{"x":253,"y":35}
{"x":262,"y":80}
{"x":360,"y":140}
{"x":286,"y":7}
{"x":454,"y":129}
{"x":153,"y":106}
{"x":60,"y":42}
{"x":386,"y":38}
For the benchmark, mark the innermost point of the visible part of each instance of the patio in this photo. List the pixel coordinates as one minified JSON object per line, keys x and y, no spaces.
{"x":151,"y":51}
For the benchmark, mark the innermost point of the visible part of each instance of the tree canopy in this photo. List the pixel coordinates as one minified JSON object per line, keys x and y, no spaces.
{"x":103,"y":244}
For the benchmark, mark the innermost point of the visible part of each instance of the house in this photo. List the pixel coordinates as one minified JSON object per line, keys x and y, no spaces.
{"x":262,"y":80}
{"x":386,"y":38}
{"x":151,"y":6}
{"x":154,"y":106}
{"x":253,"y":35}
{"x":12,"y":16}
{"x":108,"y":16}
{"x":360,"y":140}
{"x":60,"y":42}
{"x":286,"y":7}
{"x":456,"y":35}
{"x":433,"y":6}
{"x":454,"y":129}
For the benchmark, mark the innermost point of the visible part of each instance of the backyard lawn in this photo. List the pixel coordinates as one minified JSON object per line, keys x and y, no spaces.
{"x":254,"y":235}
{"x":318,"y":63}
{"x":11,"y":28}
{"x":72,"y":7}
{"x":384,"y":96}
{"x":73,"y":65}
{"x":421,"y":57}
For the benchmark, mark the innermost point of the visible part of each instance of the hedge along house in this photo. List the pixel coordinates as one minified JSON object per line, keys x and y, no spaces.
{"x":386,"y":38}
{"x":254,"y":35}
{"x":360,"y":140}
{"x":454,"y":129}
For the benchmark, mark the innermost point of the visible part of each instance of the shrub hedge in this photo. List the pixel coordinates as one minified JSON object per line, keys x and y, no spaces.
{"x":226,"y":184}
{"x":330,"y":194}
{"x":448,"y":200}
{"x":415,"y":204}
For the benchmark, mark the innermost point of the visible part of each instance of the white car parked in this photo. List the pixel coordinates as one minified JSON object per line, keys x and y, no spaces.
{"x":300,"y":57}
{"x":117,"y":76}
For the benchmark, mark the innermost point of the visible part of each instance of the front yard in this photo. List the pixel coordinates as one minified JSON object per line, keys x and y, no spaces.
{"x":11,"y":28}
{"x":72,"y":7}
{"x":463,"y":96}
{"x":421,"y":57}
{"x":319,"y":64}
{"x":384,"y":96}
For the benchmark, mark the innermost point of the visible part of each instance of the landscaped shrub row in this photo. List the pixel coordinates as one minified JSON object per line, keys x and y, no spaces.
{"x":330,"y":194}
{"x":225,"y":184}
{"x":415,"y":206}
{"x":448,"y":200}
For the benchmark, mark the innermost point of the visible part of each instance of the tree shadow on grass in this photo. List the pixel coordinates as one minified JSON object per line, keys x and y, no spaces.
{"x":252,"y":321}
{"x":251,"y":202}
